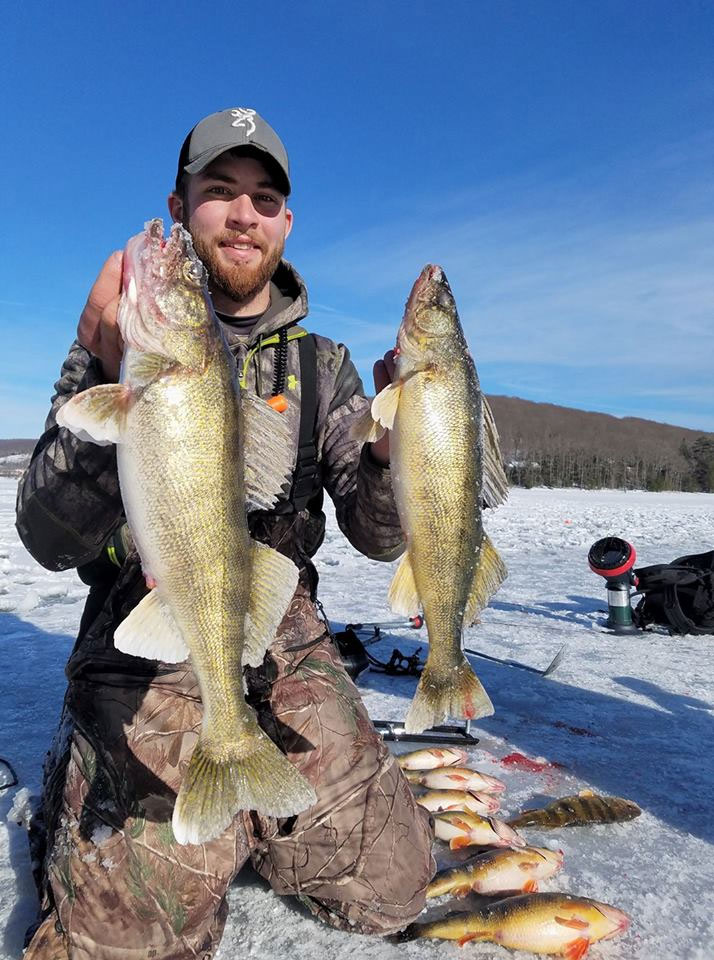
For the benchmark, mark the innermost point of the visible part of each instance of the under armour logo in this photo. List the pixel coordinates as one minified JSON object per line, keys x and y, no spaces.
{"x":244,"y":118}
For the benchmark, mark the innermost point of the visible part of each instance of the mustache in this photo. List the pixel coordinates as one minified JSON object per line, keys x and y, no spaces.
{"x":240,"y":238}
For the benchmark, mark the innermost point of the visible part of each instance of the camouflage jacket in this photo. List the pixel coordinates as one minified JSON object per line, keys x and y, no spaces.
{"x":69,"y":502}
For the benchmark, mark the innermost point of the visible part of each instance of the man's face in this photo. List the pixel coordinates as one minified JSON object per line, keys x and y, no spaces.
{"x":238,"y":221}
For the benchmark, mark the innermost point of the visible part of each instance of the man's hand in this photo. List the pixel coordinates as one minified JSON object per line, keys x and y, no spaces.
{"x":98,"y":331}
{"x":383,"y":376}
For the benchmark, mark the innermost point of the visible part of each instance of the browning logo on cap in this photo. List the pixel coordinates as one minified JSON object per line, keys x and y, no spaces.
{"x":244,"y":118}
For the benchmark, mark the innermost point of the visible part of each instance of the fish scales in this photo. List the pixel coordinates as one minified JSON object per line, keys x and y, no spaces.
{"x":550,"y":923}
{"x":180,"y":427}
{"x":441,"y":503}
{"x":435,"y":411}
{"x":578,"y":810}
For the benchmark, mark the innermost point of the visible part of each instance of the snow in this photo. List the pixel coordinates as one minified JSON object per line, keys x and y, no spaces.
{"x":630,"y":716}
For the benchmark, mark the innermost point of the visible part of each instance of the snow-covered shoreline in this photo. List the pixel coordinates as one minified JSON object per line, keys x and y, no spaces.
{"x":630,"y":716}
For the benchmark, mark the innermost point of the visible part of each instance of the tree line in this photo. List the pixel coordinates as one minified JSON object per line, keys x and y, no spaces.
{"x":546,"y":445}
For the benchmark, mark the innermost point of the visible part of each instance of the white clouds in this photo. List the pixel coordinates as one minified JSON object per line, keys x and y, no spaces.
{"x":581,"y":280}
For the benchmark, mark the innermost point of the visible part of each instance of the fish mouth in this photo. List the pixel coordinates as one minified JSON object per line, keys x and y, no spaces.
{"x":617,"y":918}
{"x":153,"y":263}
{"x":429,"y":308}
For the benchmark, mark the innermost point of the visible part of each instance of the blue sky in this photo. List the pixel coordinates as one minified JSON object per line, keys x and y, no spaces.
{"x":556,"y":158}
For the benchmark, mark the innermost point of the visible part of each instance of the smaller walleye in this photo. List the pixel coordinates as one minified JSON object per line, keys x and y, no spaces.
{"x":552,"y":923}
{"x":585,"y":807}
{"x":431,"y":757}
{"x":457,"y":778}
{"x":437,"y":800}
{"x":459,"y":828}
{"x":498,"y":871}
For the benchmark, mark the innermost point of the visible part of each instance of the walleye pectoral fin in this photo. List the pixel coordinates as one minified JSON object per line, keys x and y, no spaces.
{"x":403,"y":596}
{"x":365,"y":429}
{"x":489,"y":575}
{"x":495,"y":482}
{"x":145,"y":367}
{"x":385,"y":404}
{"x":577,"y":949}
{"x":150,"y":631}
{"x":97,"y":414}
{"x":273,"y":584}
{"x":267,"y":452}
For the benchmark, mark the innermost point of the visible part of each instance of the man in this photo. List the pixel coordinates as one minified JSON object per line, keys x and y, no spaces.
{"x":114,"y":882}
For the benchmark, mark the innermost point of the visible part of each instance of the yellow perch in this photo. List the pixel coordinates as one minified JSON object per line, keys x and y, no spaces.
{"x":459,"y":828}
{"x":498,"y":871}
{"x":436,"y":413}
{"x":457,"y":778}
{"x":550,"y":923}
{"x":438,"y":800}
{"x":431,"y":757}
{"x":214,"y":593}
{"x":585,"y":807}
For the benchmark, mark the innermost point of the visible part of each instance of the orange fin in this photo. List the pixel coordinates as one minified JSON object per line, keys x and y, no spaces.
{"x":461,"y":824}
{"x":456,"y":843}
{"x":462,"y":891}
{"x":458,"y":777}
{"x":577,"y":949}
{"x":573,"y":922}
{"x":530,"y":886}
{"x":471,"y":936}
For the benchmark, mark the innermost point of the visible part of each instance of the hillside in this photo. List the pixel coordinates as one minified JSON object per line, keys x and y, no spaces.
{"x":544,"y":444}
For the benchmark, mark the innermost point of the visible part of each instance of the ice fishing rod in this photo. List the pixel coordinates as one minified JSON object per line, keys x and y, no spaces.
{"x":551,"y":668}
{"x":415,"y":623}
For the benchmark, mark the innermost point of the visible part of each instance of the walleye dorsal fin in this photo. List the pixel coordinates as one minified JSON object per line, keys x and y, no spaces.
{"x":273,"y":584}
{"x":266,"y":450}
{"x":385,"y":404}
{"x":489,"y":575}
{"x":403,"y":596}
{"x":97,"y":414}
{"x":150,"y":631}
{"x":495,"y":481}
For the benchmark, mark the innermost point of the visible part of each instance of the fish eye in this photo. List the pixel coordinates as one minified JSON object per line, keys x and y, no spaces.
{"x":192,"y":273}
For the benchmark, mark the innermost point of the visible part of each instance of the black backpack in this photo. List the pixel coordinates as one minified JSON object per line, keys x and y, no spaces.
{"x":678,"y":595}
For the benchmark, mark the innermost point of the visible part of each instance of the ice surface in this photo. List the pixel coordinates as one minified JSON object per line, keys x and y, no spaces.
{"x":630,"y":716}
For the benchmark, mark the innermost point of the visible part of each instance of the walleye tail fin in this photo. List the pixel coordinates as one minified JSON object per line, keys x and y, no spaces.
{"x":489,"y":575}
{"x":456,"y":693}
{"x":215,"y":788}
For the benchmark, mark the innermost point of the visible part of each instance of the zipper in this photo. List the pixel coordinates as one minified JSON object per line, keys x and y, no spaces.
{"x":270,"y":342}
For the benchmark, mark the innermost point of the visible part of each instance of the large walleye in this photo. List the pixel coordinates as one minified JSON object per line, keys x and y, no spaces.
{"x":180,"y":431}
{"x":450,"y":569}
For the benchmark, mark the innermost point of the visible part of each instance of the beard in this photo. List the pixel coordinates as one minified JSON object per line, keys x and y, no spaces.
{"x":240,"y":282}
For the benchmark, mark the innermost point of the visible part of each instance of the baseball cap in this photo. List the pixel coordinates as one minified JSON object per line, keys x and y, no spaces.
{"x":239,"y":127}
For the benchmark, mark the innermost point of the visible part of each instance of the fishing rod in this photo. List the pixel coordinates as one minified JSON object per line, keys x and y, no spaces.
{"x":415,"y":623}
